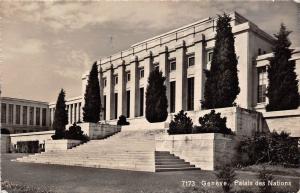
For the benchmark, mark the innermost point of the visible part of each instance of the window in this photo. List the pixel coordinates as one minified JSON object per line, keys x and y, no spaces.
{"x":116,"y":79}
{"x":104,"y":82}
{"x":259,"y":51}
{"x":18,"y":114}
{"x":10,"y":113}
{"x":104,"y":107}
{"x":156,"y":66}
{"x":142,"y":73}
{"x":128,"y":76}
{"x":3,"y":113}
{"x":25,"y":115}
{"x":209,"y":56}
{"x":116,"y":105}
{"x":37,"y":116}
{"x":190,"y":101}
{"x":141,"y":101}
{"x":172,"y":64}
{"x":262,"y":85}
{"x":31,"y":115}
{"x":191,"y":60}
{"x":128,"y":103}
{"x":172,"y":96}
{"x":44,"y":114}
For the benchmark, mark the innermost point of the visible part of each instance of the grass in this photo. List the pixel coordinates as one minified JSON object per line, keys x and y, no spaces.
{"x":17,"y":188}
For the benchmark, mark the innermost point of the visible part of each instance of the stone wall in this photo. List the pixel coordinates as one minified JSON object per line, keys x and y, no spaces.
{"x":98,"y":131}
{"x":207,"y":151}
{"x":5,"y":143}
{"x":288,"y":121}
{"x":60,"y":145}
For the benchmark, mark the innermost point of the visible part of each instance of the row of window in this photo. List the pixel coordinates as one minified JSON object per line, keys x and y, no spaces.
{"x":24,"y":113}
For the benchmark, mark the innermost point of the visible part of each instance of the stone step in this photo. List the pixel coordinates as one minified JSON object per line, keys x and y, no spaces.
{"x":174,"y":166}
{"x":175,"y":169}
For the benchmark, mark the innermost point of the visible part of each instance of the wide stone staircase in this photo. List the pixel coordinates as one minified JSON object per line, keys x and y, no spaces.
{"x":126,"y":150}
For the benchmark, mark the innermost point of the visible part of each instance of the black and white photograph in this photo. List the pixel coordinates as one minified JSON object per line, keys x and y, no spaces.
{"x":150,"y":96}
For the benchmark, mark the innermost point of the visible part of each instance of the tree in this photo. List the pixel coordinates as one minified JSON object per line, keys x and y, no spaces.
{"x":222,"y":84}
{"x":282,"y":91}
{"x":60,"y":117}
{"x":182,"y":124}
{"x":156,"y":99}
{"x":92,"y":106}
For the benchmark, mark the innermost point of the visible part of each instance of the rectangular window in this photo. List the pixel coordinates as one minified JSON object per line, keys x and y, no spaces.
{"x":190,"y":101}
{"x":172,"y":96}
{"x":25,"y":115}
{"x":104,"y":82}
{"x":172,"y":64}
{"x":116,"y":79}
{"x":104,"y":108}
{"x":3,"y":113}
{"x":141,"y":101}
{"x":31,"y":115}
{"x":128,"y":76}
{"x":262,"y":84}
{"x":18,"y":114}
{"x":156,"y":66}
{"x":209,"y":56}
{"x":191,"y":60}
{"x":116,"y":105}
{"x":127,"y":103}
{"x":44,"y":115}
{"x":10,"y":113}
{"x":37,"y":116}
{"x":141,"y":73}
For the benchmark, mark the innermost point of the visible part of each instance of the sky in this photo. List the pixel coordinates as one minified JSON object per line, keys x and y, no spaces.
{"x":48,"y":45}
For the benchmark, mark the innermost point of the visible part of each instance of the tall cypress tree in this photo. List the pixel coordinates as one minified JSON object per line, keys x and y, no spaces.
{"x":156,"y":99}
{"x":60,"y":116}
{"x":92,"y":106}
{"x":222,"y":84}
{"x":283,"y":84}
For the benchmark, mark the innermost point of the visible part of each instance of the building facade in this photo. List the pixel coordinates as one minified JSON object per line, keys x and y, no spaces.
{"x":22,"y":116}
{"x":182,"y":55}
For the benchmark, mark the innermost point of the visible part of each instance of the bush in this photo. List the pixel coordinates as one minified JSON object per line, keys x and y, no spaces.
{"x":226,"y":175}
{"x":76,"y":133}
{"x":212,"y":123}
{"x":122,"y":120}
{"x":182,"y":124}
{"x":274,"y":148}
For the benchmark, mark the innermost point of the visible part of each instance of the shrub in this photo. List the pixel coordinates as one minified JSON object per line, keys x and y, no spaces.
{"x":212,"y":123}
{"x":76,"y":133}
{"x":182,"y":124}
{"x":122,"y":120}
{"x":226,"y":175}
{"x":273,"y":148}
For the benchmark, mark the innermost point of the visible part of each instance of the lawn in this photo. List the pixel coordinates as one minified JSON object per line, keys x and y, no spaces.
{"x":62,"y":179}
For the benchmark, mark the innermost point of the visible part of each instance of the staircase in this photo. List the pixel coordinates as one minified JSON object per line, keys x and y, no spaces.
{"x":126,"y":150}
{"x":165,"y":161}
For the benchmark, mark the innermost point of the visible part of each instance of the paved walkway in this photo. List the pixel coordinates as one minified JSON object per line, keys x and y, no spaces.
{"x":91,"y":180}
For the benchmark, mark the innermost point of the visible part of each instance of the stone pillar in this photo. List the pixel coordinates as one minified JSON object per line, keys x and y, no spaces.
{"x":75,"y":112}
{"x":69,"y":114}
{"x":41,"y":117}
{"x":181,"y":80}
{"x":163,"y":66}
{"x":78,"y":111}
{"x":109,"y":95}
{"x":101,"y":84}
{"x":198,"y":70}
{"x":148,"y":67}
{"x":83,"y":87}
{"x":34,"y":115}
{"x":121,"y":90}
{"x":134,"y":87}
{"x":7,"y":113}
{"x":21,"y":114}
{"x":14,"y":114}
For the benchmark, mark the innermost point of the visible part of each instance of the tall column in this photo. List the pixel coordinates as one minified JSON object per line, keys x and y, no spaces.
{"x":14,"y":114}
{"x":78,"y":111}
{"x":34,"y":115}
{"x":148,"y":67}
{"x":181,"y":79}
{"x":69,"y":114}
{"x":163,"y":66}
{"x":134,"y":87}
{"x":121,"y":90}
{"x":198,"y":70}
{"x":75,"y":112}
{"x":7,"y":112}
{"x":83,"y":87}
{"x":109,"y":95}
{"x":101,"y":84}
{"x":21,"y":114}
